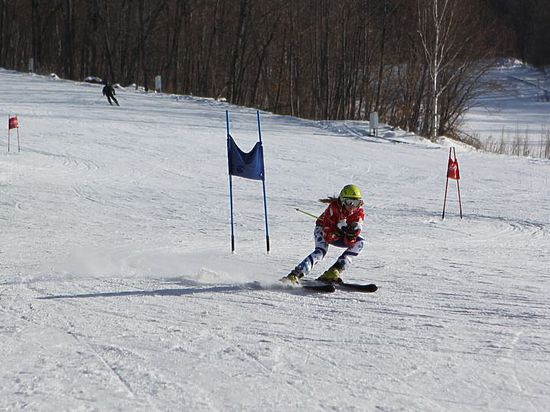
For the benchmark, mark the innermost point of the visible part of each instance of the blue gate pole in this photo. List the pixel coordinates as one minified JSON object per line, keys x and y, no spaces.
{"x":230,"y":182}
{"x":263,"y":183}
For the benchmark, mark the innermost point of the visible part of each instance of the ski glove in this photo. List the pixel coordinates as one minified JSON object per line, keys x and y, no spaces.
{"x":353,"y":231}
{"x":351,"y":234}
{"x":341,"y":228}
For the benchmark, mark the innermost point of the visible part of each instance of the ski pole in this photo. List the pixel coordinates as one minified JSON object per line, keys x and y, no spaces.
{"x":307,"y":213}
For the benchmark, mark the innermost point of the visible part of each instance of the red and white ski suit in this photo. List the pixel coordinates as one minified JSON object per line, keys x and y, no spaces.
{"x":336,"y":218}
{"x":340,"y":227}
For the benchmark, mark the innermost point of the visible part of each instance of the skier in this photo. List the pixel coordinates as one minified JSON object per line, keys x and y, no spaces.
{"x":109,"y":91}
{"x":339,"y":225}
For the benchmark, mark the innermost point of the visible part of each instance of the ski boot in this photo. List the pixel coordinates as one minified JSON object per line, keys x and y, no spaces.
{"x":294,"y":276}
{"x":332,"y":275}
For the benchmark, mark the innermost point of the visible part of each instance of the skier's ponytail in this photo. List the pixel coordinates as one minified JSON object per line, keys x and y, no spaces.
{"x":329,"y":199}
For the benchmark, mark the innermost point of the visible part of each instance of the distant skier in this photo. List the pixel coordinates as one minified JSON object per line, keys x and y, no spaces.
{"x":109,"y":91}
{"x":339,"y":225}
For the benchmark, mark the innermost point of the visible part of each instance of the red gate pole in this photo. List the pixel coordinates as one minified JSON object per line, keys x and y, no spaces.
{"x":446,"y":187}
{"x":458,"y":186}
{"x":459,"y":200}
{"x":445,"y":200}
{"x":18,"y":144}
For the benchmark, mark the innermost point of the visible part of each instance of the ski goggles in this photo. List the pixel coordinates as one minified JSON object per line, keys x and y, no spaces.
{"x":352,"y":203}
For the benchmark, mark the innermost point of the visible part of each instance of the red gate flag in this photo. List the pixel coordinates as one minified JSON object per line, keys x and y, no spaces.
{"x":13,"y":123}
{"x":452,"y":168}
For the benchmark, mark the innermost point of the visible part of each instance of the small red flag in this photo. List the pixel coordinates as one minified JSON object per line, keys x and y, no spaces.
{"x":452,"y":169}
{"x":13,"y":123}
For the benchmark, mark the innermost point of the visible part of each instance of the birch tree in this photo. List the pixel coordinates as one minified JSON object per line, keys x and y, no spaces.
{"x":434,"y":26}
{"x":452,"y":46}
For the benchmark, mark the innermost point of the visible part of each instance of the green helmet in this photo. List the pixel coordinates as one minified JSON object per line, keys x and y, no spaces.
{"x":350,"y":192}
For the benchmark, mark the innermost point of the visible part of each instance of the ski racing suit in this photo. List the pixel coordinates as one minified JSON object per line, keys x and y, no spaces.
{"x":339,"y":227}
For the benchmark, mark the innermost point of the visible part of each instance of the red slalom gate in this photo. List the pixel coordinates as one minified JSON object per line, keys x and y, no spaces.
{"x":453,"y":172}
{"x":13,"y":123}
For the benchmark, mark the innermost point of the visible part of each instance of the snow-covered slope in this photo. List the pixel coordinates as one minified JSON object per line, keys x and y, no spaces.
{"x":119,"y":291}
{"x":515,"y":110}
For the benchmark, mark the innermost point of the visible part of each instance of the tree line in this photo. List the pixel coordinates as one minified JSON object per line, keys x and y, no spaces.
{"x":415,"y":62}
{"x":528,"y":22}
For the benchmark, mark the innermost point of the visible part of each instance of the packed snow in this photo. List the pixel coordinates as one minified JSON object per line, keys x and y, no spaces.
{"x":119,"y":291}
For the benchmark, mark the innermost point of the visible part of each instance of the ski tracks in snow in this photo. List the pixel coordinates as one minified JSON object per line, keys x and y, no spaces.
{"x":137,"y":369}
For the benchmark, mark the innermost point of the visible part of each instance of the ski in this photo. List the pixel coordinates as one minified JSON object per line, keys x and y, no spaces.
{"x":315,"y":286}
{"x":311,"y":285}
{"x":352,"y":287}
{"x":356,"y":287}
{"x":329,"y":287}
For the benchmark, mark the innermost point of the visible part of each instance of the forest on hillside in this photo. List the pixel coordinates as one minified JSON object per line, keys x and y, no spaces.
{"x":415,"y":62}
